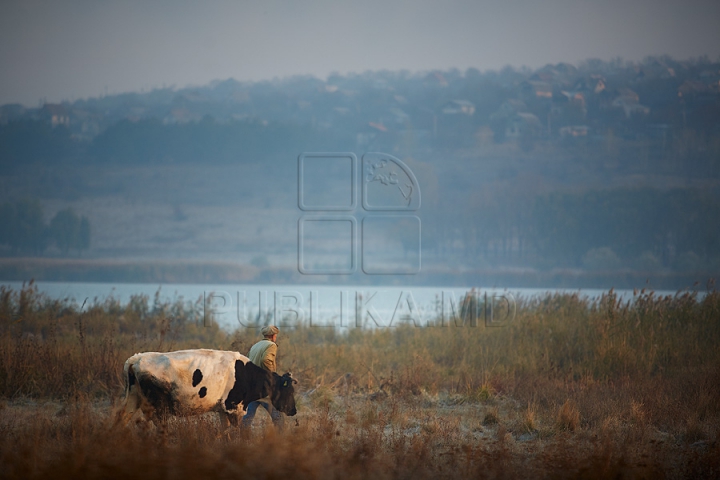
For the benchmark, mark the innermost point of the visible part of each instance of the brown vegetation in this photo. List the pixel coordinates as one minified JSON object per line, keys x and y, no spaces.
{"x":570,"y":388}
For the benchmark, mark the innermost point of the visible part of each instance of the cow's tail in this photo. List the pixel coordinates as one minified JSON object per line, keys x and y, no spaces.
{"x":130,"y":378}
{"x":130,"y":402}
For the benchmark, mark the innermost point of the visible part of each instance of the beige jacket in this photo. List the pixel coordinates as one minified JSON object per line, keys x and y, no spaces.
{"x":263,"y":355}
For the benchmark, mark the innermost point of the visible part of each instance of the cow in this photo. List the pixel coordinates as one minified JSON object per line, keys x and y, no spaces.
{"x":192,"y":382}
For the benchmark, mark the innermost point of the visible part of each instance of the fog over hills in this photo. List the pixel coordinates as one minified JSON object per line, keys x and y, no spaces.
{"x":591,"y":168}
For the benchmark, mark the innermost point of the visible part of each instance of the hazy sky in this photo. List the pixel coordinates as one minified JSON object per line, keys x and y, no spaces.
{"x":69,"y":49}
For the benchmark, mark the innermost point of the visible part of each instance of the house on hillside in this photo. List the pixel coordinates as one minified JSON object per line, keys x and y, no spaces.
{"x":566,"y":69}
{"x":369,"y":133}
{"x":574,"y":131}
{"x":136,"y":113}
{"x":190,"y":96}
{"x":459,"y":107}
{"x":523,"y":124}
{"x":435,"y":79}
{"x":377,"y":127}
{"x":697,"y":91}
{"x":711,"y":78}
{"x":574,"y":98}
{"x":594,"y":83}
{"x":509,"y":108}
{"x":501,"y":119}
{"x":625,"y":96}
{"x":567,"y":108}
{"x":86,"y":124}
{"x":545,"y":75}
{"x":629,"y":102}
{"x":635,"y":109}
{"x":56,"y":114}
{"x":655,"y":68}
{"x":536,"y":89}
{"x":179,"y":116}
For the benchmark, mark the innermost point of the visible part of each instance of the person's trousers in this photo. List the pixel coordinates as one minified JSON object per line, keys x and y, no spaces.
{"x":265,"y":403}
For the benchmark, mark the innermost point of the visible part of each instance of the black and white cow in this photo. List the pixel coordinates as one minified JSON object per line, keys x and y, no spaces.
{"x":191,"y":382}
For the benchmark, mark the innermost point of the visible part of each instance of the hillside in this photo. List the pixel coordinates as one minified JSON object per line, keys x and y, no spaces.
{"x":600,"y":166}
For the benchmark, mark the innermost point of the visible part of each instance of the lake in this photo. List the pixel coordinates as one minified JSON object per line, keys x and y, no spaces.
{"x":341,"y":306}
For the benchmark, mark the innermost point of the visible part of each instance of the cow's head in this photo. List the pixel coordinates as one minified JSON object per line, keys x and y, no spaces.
{"x":283,"y":396}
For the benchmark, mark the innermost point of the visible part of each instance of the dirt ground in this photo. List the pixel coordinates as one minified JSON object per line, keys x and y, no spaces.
{"x":338,"y":434}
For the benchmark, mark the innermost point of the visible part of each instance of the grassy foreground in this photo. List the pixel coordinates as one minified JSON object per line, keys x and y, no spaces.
{"x":570,"y":388}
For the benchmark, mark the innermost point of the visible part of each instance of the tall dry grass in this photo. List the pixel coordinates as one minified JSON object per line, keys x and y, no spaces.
{"x":589,"y":388}
{"x":56,"y":348}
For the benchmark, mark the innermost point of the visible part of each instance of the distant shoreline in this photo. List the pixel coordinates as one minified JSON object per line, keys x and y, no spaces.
{"x":184,"y":271}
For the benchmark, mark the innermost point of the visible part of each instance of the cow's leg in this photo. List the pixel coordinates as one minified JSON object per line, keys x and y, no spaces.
{"x":226,"y":419}
{"x":278,"y":418}
{"x":137,"y":411}
{"x":129,"y":409}
{"x":229,"y":419}
{"x":131,"y":404}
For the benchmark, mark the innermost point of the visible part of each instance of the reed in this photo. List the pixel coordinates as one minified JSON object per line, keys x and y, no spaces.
{"x":593,"y":388}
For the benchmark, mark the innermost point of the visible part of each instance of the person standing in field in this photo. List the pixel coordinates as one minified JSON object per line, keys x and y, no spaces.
{"x":264,"y":354}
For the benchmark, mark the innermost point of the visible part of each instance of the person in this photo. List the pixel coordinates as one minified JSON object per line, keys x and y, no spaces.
{"x":264,"y":354}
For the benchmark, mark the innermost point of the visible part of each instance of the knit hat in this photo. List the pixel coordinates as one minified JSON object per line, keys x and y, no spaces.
{"x":269,"y":330}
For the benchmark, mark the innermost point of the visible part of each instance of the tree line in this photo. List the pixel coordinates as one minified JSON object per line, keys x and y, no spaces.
{"x":149,"y":141}
{"x":636,"y":228}
{"x":23,"y":229}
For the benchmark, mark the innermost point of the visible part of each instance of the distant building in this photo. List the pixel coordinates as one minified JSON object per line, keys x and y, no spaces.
{"x":436,"y":79}
{"x":459,"y":107}
{"x":86,"y":124}
{"x":178,"y":116}
{"x":378,"y":126}
{"x":655,"y":68}
{"x":509,"y":108}
{"x":574,"y":98}
{"x":56,"y":114}
{"x":536,"y":89}
{"x":593,"y":84}
{"x":629,"y":101}
{"x":636,"y":109}
{"x":574,"y":131}
{"x":523,"y":124}
{"x":711,"y":77}
{"x":545,"y":75}
{"x":369,"y":133}
{"x":699,"y":92}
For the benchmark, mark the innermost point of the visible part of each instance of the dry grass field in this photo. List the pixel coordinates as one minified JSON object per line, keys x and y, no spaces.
{"x":570,"y":389}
